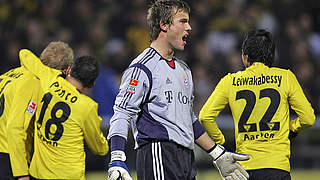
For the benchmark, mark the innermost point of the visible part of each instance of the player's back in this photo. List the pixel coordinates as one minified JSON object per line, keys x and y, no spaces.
{"x":64,"y":118}
{"x":59,"y":138}
{"x":259,"y":98}
{"x":9,"y":82}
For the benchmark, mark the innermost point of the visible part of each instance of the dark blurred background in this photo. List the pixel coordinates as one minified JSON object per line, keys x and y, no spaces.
{"x":115,"y":31}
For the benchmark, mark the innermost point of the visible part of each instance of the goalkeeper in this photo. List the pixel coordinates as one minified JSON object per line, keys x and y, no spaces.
{"x":259,"y":98}
{"x":156,"y":99}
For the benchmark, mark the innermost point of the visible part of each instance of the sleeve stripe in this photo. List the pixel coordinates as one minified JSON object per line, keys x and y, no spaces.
{"x":149,"y":55}
{"x":149,"y":58}
{"x":146,"y":55}
{"x":127,"y":94}
{"x":135,"y":75}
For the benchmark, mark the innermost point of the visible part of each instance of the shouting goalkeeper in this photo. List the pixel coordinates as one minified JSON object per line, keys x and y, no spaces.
{"x":155,"y":98}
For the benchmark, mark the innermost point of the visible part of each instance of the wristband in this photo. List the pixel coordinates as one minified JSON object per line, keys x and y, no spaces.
{"x":217,"y":151}
{"x":118,"y":155}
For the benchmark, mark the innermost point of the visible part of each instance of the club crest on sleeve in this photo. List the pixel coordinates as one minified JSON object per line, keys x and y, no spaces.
{"x":31,"y":107}
{"x":132,"y":86}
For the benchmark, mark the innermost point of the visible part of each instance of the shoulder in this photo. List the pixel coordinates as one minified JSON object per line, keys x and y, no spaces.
{"x":235,"y":74}
{"x":87,"y":104}
{"x":19,"y":75}
{"x":88,"y":100}
{"x":281,"y":71}
{"x":14,"y":73}
{"x":146,"y":56}
{"x":182,"y":63}
{"x":148,"y":60}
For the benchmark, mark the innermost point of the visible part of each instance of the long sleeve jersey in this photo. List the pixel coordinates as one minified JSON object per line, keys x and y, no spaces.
{"x":64,"y":119}
{"x":155,"y":98}
{"x":259,"y":98}
{"x":18,"y":102}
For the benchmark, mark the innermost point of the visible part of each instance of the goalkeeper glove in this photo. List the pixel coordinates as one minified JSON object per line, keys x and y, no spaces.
{"x":226,"y":163}
{"x":117,"y":168}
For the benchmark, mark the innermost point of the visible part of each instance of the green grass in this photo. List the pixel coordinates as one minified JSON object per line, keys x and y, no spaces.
{"x":297,"y":174}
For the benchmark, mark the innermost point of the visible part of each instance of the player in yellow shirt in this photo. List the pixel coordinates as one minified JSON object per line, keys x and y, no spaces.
{"x":19,"y":89}
{"x":259,"y":98}
{"x":7,"y":81}
{"x":64,"y":119}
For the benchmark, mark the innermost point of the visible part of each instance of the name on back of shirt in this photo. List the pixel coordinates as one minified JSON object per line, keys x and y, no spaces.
{"x":257,"y":80}
{"x":55,"y":86}
{"x":13,"y":74}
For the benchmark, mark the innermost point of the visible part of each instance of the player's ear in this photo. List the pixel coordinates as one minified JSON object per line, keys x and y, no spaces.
{"x":245,"y":61}
{"x":163,"y":27}
{"x":68,"y":71}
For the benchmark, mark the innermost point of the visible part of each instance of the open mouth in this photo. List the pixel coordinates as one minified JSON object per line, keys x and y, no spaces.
{"x":185,"y":38}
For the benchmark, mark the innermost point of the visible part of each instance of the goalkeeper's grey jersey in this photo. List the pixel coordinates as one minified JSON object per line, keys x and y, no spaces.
{"x":155,"y":98}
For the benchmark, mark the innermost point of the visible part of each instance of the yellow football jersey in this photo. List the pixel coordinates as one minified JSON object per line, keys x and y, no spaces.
{"x":6,"y":80}
{"x":64,"y":119}
{"x":260,"y":98}
{"x":18,"y":104}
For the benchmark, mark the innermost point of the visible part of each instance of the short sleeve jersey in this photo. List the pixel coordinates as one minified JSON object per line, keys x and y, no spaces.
{"x":259,"y":98}
{"x":64,"y":119}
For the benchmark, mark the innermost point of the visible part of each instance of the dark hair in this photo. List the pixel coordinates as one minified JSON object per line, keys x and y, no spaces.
{"x":163,"y":11}
{"x":259,"y":46}
{"x":85,"y":69}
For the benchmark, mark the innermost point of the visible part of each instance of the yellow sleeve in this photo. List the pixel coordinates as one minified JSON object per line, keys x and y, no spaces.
{"x":211,"y":109}
{"x":93,"y":134}
{"x":34,"y":64}
{"x":19,"y":128}
{"x":300,"y":104}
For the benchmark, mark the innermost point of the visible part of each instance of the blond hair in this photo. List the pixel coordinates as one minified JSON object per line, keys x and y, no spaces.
{"x":57,"y":55}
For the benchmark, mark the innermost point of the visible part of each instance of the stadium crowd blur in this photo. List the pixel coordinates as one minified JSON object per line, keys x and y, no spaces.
{"x":115,"y":31}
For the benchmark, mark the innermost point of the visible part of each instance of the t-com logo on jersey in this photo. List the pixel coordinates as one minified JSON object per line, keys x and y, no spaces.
{"x":132,"y":86}
{"x":183,"y":99}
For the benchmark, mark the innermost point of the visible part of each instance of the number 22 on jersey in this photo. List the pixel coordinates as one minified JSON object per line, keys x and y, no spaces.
{"x":264,"y":122}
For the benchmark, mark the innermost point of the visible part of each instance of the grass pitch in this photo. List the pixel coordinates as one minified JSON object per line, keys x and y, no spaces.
{"x":297,"y":174}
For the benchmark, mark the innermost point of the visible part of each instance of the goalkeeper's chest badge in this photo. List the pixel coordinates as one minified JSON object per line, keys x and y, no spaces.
{"x":31,"y":109}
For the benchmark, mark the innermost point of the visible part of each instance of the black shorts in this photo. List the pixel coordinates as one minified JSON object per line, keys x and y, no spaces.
{"x":5,"y":167}
{"x":269,"y":174}
{"x":165,"y":161}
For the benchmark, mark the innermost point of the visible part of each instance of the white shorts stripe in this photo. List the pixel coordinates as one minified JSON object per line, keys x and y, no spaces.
{"x":157,"y":161}
{"x":153,"y":161}
{"x":160,"y":158}
{"x":158,"y":171}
